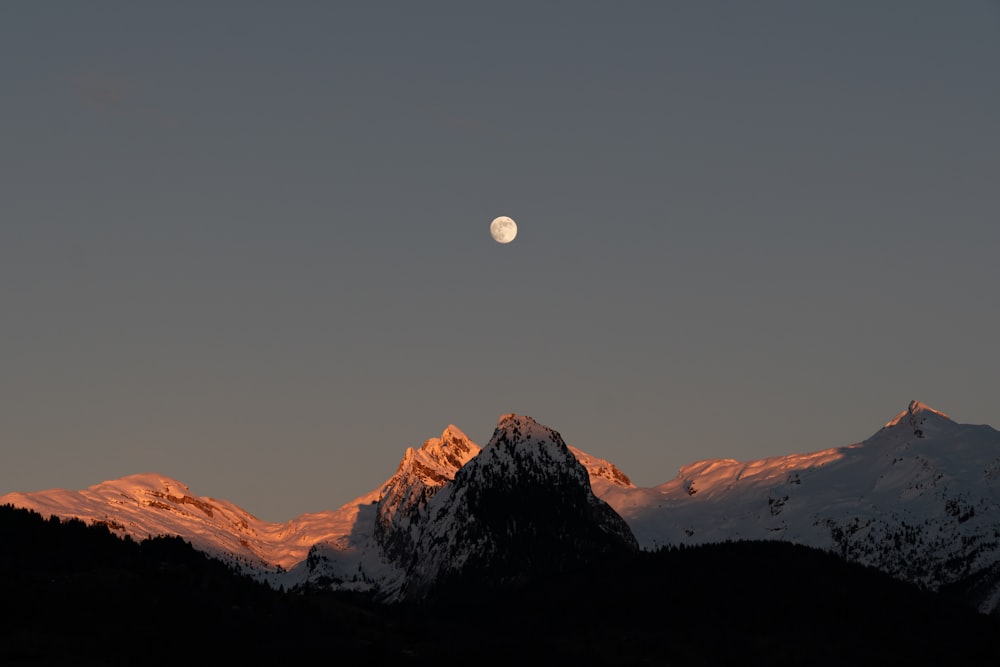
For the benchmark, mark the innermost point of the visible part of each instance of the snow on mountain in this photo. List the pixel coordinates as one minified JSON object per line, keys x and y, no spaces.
{"x":147,"y":505}
{"x":601,"y":472}
{"x":350,"y":547}
{"x":374,"y":551}
{"x":523,"y":504}
{"x":916,"y":412}
{"x":420,"y":475}
{"x":919,"y":499}
{"x":439,"y":513}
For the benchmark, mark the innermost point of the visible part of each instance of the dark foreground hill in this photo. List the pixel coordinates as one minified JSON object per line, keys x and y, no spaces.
{"x":76,"y":594}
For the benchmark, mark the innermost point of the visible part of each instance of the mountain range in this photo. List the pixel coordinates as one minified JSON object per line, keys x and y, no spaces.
{"x":918,"y":500}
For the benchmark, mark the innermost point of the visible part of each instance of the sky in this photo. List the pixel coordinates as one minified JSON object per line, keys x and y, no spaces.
{"x":246,"y":244}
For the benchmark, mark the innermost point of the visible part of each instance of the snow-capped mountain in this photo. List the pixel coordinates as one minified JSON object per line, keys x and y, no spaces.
{"x":146,"y":505}
{"x":420,"y":475}
{"x":452,"y":506}
{"x":523,"y":505}
{"x":374,"y":554}
{"x":918,"y":499}
{"x":354,"y":546}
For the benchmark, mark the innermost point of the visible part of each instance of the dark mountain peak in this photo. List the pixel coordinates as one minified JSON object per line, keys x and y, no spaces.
{"x":515,"y":428}
{"x":522,"y":449}
{"x":521,"y":509}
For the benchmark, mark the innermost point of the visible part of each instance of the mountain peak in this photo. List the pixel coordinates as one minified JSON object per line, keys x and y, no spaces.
{"x":518,"y":439}
{"x":438,"y":458}
{"x":452,"y":432}
{"x":913,"y":411}
{"x":512,"y":419}
{"x":601,"y":469}
{"x":147,"y":481}
{"x":523,"y":428}
{"x":420,"y":474}
{"x":523,"y":506}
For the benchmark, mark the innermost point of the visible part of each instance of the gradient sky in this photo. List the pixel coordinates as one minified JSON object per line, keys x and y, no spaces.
{"x":245,"y":244}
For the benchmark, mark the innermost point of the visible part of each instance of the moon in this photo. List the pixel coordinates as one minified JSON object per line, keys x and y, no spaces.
{"x":503,"y":229}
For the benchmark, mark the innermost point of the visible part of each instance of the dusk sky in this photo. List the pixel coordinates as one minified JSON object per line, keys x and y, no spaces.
{"x":246,"y":244}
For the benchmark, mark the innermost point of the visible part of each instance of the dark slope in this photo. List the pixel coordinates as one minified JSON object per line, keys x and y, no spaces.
{"x":77,"y":594}
{"x":743,"y":603}
{"x":74,"y":594}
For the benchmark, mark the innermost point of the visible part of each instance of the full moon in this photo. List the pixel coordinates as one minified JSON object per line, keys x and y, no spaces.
{"x":503,"y":229}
